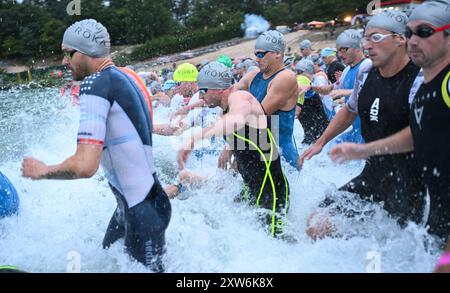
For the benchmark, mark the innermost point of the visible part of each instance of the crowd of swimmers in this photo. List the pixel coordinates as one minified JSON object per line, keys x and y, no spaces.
{"x":381,"y":95}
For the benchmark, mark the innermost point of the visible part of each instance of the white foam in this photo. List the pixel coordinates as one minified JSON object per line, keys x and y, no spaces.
{"x":208,"y":231}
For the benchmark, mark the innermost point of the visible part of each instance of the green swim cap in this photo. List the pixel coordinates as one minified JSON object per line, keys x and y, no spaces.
{"x":186,"y":72}
{"x":225,"y":60}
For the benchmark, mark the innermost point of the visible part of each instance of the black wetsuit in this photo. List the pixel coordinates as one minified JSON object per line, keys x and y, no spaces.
{"x":259,"y":164}
{"x":334,"y":67}
{"x":430,"y":122}
{"x":313,"y":118}
{"x":383,"y":106}
{"x":146,"y":222}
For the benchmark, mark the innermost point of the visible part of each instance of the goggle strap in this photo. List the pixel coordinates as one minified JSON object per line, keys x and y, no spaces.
{"x":443,"y":28}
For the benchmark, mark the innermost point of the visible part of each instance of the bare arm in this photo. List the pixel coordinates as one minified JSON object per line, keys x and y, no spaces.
{"x":161,"y":97}
{"x":340,"y":122}
{"x":188,"y":108}
{"x":283,"y":88}
{"x":234,"y":120}
{"x":167,"y":130}
{"x":245,"y":82}
{"x":323,"y":89}
{"x":401,"y":142}
{"x":83,"y":164}
{"x":339,"y":93}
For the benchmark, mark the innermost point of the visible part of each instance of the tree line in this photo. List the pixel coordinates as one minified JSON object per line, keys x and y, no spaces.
{"x":34,"y":28}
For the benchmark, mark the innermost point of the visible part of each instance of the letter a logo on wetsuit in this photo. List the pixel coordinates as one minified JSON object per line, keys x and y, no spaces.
{"x":418,"y":113}
{"x":374,"y":110}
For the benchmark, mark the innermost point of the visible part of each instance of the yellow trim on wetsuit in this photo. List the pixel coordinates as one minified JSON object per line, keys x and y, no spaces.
{"x":446,"y":89}
{"x":286,"y":206}
{"x":8,"y":268}
{"x":268,"y":174}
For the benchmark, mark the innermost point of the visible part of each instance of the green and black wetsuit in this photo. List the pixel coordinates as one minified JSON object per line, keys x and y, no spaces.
{"x":259,"y":163}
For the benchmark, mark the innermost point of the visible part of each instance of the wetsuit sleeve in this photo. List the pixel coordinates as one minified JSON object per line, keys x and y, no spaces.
{"x":93,"y":114}
{"x":352,"y":103}
{"x":363,"y":72}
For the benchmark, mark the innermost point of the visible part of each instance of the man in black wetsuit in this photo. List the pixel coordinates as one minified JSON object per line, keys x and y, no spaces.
{"x":115,"y":131}
{"x":428,"y":33}
{"x":328,"y":56}
{"x":251,"y":141}
{"x":381,"y":98}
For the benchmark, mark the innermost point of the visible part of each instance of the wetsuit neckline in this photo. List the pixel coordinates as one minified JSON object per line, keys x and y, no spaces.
{"x":409,"y":64}
{"x":362,"y":60}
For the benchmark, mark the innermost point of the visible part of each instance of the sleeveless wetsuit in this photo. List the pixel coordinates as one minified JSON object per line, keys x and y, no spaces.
{"x":430,"y":121}
{"x":259,"y":164}
{"x":281,"y":122}
{"x":313,"y":118}
{"x":116,"y":116}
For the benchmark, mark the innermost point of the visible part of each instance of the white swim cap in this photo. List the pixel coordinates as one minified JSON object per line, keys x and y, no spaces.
{"x":350,"y":38}
{"x":88,"y":37}
{"x":390,"y":20}
{"x":272,"y":41}
{"x":436,"y":12}
{"x":215,"y":76}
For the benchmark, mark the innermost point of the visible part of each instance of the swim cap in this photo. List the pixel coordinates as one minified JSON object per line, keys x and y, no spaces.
{"x":288,"y":60}
{"x":215,"y":76}
{"x":225,"y":60}
{"x":240,"y":66}
{"x":249,"y":63}
{"x":252,"y":68}
{"x":327,"y":52}
{"x":186,"y":72}
{"x":168,"y":85}
{"x":436,"y":12}
{"x":9,"y":199}
{"x":272,"y":41}
{"x":350,"y":38}
{"x":305,"y":44}
{"x":204,"y":62}
{"x":305,"y":65}
{"x":155,"y":87}
{"x":314,"y":58}
{"x":88,"y":37}
{"x":390,"y":20}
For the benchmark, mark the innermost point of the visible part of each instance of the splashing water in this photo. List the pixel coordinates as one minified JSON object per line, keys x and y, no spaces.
{"x":208,"y":232}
